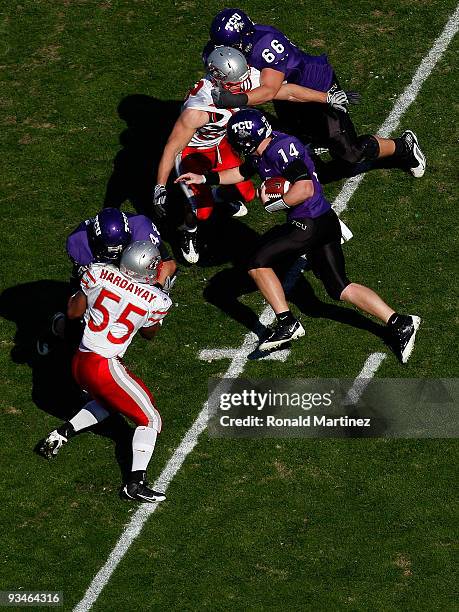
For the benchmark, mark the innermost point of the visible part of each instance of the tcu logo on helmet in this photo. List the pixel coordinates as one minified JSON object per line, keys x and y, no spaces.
{"x":242,"y":126}
{"x":96,"y":226}
{"x":234,"y":23}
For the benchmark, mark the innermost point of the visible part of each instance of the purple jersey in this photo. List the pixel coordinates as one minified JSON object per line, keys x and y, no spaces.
{"x":278,"y":155}
{"x":272,"y":49}
{"x":78,"y":248}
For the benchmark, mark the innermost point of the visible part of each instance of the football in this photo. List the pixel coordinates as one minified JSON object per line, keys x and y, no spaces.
{"x":275,"y":187}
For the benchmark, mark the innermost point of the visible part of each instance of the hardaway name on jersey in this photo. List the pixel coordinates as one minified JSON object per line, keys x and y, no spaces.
{"x":117,"y":309}
{"x":200,"y":98}
{"x":278,"y":155}
{"x":78,"y":248}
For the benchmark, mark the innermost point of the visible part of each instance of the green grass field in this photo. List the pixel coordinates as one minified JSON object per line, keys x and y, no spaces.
{"x":249,"y":524}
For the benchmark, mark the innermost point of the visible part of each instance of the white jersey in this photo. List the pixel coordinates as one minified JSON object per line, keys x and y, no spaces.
{"x":200,"y":98}
{"x":117,"y":309}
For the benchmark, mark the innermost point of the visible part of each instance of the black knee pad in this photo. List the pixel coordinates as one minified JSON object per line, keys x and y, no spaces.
{"x":369,"y":147}
{"x":354,"y":151}
{"x":335,"y":288}
{"x":255,"y":262}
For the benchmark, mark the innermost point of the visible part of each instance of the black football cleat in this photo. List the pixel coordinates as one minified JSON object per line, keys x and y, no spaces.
{"x":402,"y":330}
{"x":417,"y":160}
{"x":281,"y":334}
{"x":189,"y":246}
{"x":141,"y":491}
{"x":52,"y":444}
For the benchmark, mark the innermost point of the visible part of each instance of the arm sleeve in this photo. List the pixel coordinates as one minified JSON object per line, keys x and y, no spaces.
{"x":297,"y":171}
{"x":247,"y":169}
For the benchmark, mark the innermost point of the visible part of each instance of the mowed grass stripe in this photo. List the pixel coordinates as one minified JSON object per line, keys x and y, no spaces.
{"x":190,"y":440}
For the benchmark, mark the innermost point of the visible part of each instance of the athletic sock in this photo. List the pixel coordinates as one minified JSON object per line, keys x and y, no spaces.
{"x":401,"y":148}
{"x":143,"y":444}
{"x":393,"y":319}
{"x":88,"y":416}
{"x":138,"y":476}
{"x":67,"y":430}
{"x":285,"y":318}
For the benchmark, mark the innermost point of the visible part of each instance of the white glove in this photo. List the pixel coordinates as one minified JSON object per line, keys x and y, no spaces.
{"x":339,"y":99}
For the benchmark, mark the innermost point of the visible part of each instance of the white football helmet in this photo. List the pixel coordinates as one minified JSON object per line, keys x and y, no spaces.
{"x":141,"y":261}
{"x":228,"y":68}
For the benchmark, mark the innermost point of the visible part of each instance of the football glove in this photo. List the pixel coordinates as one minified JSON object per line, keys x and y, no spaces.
{"x":339,"y":99}
{"x":160,"y":200}
{"x":225,"y":99}
{"x":169,"y":283}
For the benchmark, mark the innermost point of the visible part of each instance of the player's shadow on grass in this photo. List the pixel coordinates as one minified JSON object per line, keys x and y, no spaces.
{"x":227,"y":286}
{"x":149,"y":122}
{"x":30,"y":307}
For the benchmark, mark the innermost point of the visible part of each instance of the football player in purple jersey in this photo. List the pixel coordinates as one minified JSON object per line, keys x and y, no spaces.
{"x":102,"y":239}
{"x":324,"y":121}
{"x":312,"y":228}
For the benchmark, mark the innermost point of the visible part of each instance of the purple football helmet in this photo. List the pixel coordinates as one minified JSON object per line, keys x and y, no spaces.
{"x":246,"y":129}
{"x":108,"y":234}
{"x":232,"y":28}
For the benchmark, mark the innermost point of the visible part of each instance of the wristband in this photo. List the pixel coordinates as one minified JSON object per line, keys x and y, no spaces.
{"x":211,"y":178}
{"x":276,"y":205}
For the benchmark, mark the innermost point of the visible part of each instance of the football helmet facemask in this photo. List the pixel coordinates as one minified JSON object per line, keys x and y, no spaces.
{"x":141,"y":261}
{"x":228,"y":68}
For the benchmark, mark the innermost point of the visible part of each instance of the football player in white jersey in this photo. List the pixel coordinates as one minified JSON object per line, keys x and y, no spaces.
{"x":116,"y":303}
{"x":198,"y":143}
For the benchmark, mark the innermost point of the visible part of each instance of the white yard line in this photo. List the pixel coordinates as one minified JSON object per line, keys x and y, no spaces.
{"x":403,"y":102}
{"x":239,"y":358}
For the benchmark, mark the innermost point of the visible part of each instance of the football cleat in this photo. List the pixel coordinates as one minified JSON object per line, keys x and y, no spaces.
{"x":402,"y":329}
{"x":238,"y":209}
{"x":189,"y":246}
{"x":281,"y":334}
{"x":52,"y":444}
{"x":417,"y":158}
{"x":45,"y":343}
{"x":141,"y":491}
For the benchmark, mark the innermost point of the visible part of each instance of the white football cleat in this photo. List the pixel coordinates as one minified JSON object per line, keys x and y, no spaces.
{"x":239,"y":208}
{"x":189,"y":246}
{"x":346,"y":233}
{"x":410,"y":138}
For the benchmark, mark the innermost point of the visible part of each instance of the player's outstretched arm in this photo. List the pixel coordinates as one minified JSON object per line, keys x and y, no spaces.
{"x":270,"y":83}
{"x":225,"y":177}
{"x":183,"y":131}
{"x":298,"y":93}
